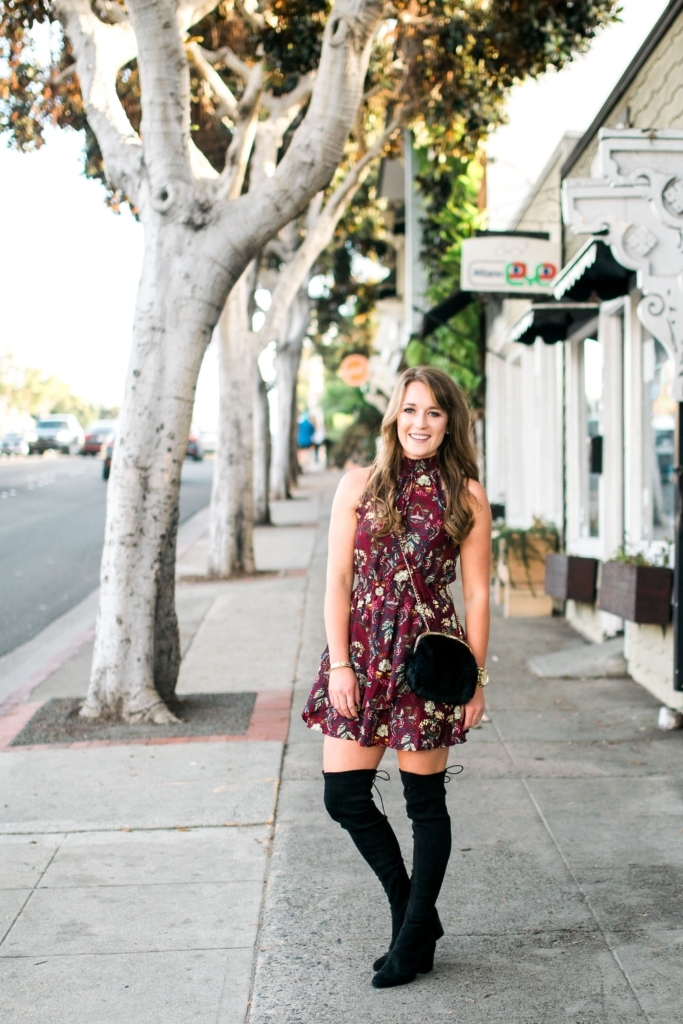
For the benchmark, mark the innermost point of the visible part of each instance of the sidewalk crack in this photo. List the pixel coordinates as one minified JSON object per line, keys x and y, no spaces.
{"x":37,"y":883}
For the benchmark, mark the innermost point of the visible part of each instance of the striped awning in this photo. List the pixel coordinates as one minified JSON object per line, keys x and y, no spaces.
{"x":551,"y":321}
{"x":593,"y":275}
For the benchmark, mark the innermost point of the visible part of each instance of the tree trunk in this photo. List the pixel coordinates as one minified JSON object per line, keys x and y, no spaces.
{"x":262,"y":452}
{"x":287,"y":366}
{"x":231,"y":529}
{"x":294,"y":469}
{"x":198,"y":241}
{"x":137,"y":648}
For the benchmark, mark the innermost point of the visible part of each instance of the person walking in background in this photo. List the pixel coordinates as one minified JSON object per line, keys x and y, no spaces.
{"x":421,"y":495}
{"x":304,"y":439}
{"x":319,"y":438}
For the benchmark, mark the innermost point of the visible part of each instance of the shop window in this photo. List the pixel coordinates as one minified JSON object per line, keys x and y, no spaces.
{"x":658,"y":447}
{"x":593,"y":390}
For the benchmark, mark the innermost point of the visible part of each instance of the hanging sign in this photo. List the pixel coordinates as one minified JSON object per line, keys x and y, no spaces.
{"x":509,"y":264}
{"x":355,"y":370}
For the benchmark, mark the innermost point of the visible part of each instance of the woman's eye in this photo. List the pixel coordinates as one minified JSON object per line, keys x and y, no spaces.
{"x":409,"y":409}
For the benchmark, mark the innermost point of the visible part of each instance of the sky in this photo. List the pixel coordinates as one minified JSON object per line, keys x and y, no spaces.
{"x":541,"y":110}
{"x":69,"y":267}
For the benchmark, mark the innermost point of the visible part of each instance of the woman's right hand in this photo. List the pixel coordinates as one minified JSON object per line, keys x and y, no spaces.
{"x":344,"y":692}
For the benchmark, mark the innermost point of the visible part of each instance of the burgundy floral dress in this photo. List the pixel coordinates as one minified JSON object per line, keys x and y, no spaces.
{"x":385,"y":623}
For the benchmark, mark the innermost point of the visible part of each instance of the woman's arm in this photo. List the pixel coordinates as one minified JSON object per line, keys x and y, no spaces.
{"x":343,"y":689}
{"x":475,"y":563}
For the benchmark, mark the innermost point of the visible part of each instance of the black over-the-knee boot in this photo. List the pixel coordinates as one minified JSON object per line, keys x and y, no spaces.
{"x":348,"y":799}
{"x":413,"y":951}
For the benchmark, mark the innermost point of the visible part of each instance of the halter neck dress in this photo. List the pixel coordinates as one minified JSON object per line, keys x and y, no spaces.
{"x":385,"y":622}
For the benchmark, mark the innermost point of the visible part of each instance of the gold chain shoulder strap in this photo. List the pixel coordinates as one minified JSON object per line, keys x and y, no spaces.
{"x":420,"y":606}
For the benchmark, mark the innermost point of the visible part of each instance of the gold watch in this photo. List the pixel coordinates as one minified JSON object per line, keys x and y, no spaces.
{"x":482,"y":677}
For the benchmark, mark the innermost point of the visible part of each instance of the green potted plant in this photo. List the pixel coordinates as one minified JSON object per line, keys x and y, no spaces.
{"x":519,"y":558}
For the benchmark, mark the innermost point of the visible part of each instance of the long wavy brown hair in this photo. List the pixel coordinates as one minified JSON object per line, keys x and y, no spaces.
{"x":457,"y":456}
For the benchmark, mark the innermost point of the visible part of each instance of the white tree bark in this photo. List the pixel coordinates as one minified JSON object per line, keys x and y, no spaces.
{"x":287,"y":366}
{"x":198,"y":243}
{"x":136,"y":651}
{"x":231,"y":527}
{"x":241,"y":467}
{"x":262,"y":452}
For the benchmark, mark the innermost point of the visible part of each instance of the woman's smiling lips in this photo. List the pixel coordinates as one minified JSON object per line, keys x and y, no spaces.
{"x":419,"y":437}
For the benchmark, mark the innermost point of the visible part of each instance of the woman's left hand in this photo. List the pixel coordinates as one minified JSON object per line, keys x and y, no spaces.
{"x":475,"y":709}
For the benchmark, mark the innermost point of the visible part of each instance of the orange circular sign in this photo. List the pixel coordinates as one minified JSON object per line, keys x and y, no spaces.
{"x":355,"y":370}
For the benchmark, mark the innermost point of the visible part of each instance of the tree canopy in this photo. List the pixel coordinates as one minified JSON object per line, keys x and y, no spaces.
{"x":447,"y":64}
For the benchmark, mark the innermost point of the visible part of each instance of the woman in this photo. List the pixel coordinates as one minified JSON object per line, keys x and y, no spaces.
{"x":423,"y":484}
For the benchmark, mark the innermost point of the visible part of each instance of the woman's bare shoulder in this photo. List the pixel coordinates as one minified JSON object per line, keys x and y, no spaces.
{"x":479,"y":495}
{"x":352,"y":485}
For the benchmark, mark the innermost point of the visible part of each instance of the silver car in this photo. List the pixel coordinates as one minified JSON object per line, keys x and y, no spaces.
{"x":61,"y":431}
{"x":18,"y":442}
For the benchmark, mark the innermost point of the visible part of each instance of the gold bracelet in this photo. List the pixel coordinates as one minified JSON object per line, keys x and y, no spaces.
{"x":341,"y":664}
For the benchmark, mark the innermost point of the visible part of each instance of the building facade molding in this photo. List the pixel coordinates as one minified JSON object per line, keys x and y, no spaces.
{"x":635,"y":205}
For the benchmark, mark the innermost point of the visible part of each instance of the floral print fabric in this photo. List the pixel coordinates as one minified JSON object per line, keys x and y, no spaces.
{"x":385,"y":623}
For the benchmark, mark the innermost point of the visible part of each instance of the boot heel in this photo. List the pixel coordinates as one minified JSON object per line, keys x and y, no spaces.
{"x":426,"y":962}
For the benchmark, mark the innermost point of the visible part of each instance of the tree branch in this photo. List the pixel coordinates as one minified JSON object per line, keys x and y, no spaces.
{"x":101,"y":50}
{"x":110,"y":12}
{"x":318,"y":144}
{"x":271,"y":131}
{"x":165,"y":93}
{"x":227,"y":104}
{"x":232,"y":177}
{"x":200,"y":164}
{"x":65,"y":73}
{"x":290,"y":103}
{"x":251,"y":14}
{"x":320,"y":231}
{"x":190,"y":12}
{"x":226,"y":56}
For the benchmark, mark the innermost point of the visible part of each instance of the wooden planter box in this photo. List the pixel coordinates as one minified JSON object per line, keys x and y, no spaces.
{"x":519,"y":585}
{"x":571,"y":578}
{"x":638,"y":593}
{"x":521,"y":602}
{"x":529,"y":575}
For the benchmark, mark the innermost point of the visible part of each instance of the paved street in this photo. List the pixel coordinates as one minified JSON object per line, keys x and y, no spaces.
{"x":171,"y":882}
{"x":51,"y":526}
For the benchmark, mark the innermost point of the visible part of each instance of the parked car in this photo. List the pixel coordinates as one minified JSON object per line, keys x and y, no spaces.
{"x":96,"y":434}
{"x":17,"y":442}
{"x":194,"y":451}
{"x":209,"y":439}
{"x":107,"y":451}
{"x":195,"y":448}
{"x":61,"y":432}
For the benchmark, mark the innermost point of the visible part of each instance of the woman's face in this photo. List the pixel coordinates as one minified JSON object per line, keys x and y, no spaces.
{"x":421,"y":423}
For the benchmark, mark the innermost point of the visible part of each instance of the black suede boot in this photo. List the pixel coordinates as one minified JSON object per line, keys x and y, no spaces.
{"x":348,"y":799}
{"x":413,"y":951}
{"x":437,"y":933}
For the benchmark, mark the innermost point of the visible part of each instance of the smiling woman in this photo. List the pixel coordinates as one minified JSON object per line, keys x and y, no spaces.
{"x":399,"y":528}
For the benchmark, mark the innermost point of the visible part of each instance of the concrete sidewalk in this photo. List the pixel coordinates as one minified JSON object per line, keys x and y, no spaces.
{"x":177,"y":882}
{"x":563,"y":900}
{"x":132,"y":876}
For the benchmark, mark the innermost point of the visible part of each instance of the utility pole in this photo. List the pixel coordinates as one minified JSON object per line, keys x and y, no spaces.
{"x":678,"y":547}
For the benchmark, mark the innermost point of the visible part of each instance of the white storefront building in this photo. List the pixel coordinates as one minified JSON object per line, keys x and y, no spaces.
{"x":583,"y":388}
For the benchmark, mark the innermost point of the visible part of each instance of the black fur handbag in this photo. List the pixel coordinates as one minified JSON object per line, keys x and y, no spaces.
{"x":440,"y":667}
